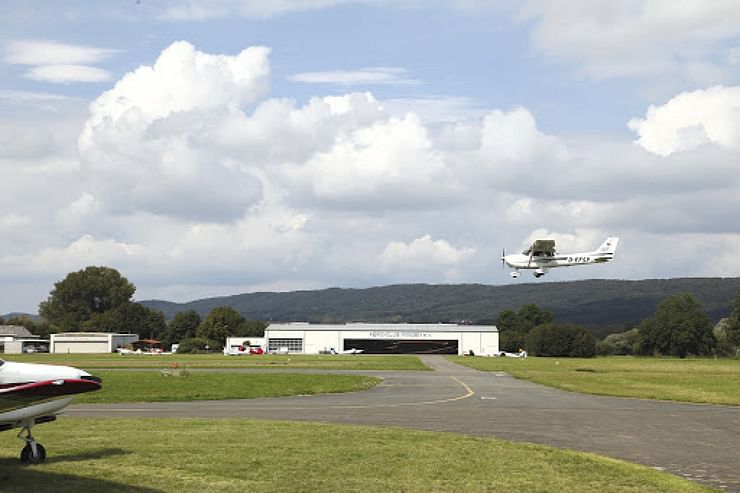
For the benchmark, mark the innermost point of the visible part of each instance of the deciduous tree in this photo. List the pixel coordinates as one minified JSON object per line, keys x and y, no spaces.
{"x":220,"y":323}
{"x":680,"y":327}
{"x":82,"y":294}
{"x":732,"y":329}
{"x":38,"y":327}
{"x":514,"y":326}
{"x":129,"y":317}
{"x":183,"y":326}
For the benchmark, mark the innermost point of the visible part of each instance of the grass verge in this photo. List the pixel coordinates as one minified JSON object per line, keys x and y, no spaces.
{"x":153,"y":386}
{"x":297,"y":361}
{"x":188,"y":455}
{"x":699,"y":380}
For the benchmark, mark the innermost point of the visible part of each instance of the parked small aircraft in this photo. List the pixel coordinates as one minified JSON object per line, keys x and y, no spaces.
{"x":242,"y":349}
{"x":508,"y":354}
{"x":542,"y":256}
{"x":346,"y":351}
{"x":32,"y":394}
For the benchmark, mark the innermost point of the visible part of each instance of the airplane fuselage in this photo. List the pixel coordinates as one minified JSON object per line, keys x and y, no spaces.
{"x":14,"y":374}
{"x":520,"y":261}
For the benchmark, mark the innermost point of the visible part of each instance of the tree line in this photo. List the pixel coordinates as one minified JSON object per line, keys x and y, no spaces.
{"x":680,"y":327}
{"x":101,"y":299}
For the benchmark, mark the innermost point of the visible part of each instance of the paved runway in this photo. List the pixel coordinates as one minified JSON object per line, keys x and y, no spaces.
{"x":698,"y":442}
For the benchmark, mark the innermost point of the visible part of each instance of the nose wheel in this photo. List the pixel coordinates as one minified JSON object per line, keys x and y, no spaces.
{"x":515,"y":274}
{"x":33,"y":452}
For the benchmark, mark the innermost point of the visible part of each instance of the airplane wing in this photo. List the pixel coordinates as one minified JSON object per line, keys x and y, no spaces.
{"x":24,"y":395}
{"x":540,"y":248}
{"x":543,"y":247}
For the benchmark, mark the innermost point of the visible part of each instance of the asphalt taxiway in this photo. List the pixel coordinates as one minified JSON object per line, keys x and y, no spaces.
{"x":698,"y":442}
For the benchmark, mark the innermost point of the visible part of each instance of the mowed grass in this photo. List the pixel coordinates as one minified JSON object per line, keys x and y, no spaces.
{"x":218,"y":360}
{"x":154,"y":386}
{"x":188,"y":455}
{"x":699,"y":380}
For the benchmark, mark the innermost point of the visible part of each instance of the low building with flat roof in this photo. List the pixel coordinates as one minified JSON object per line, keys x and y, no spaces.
{"x":89,"y":342}
{"x":382,"y":338}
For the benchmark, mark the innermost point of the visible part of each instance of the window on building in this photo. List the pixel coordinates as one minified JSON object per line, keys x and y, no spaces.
{"x":293,"y":345}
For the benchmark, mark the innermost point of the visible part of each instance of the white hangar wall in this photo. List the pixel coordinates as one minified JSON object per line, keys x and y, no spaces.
{"x":383,"y":338}
{"x":89,"y":342}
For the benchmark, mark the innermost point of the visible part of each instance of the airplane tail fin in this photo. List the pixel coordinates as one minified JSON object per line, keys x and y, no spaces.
{"x":609,"y":245}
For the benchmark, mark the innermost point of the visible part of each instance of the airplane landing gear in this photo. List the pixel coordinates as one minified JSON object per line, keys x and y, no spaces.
{"x":33,"y":452}
{"x":538,"y":273}
{"x":515,"y":274}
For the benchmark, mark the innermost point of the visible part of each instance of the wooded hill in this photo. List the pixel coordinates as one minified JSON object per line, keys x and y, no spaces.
{"x":603,"y":306}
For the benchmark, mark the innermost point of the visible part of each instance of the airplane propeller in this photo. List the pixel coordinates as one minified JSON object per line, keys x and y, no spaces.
{"x":503,"y":257}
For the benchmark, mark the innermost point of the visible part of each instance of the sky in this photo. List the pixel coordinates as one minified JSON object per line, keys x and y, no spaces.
{"x":207,"y":148}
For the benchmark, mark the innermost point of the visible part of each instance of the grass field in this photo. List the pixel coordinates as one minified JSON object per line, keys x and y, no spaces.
{"x":218,"y":360}
{"x":153,"y":386}
{"x":186,"y":455}
{"x":688,"y":380}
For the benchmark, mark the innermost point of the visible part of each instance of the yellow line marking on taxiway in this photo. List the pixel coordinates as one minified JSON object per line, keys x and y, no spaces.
{"x":469,"y":392}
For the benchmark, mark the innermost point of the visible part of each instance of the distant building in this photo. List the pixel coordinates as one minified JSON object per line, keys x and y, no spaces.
{"x":382,"y":338}
{"x":90,"y":342}
{"x":16,"y":339}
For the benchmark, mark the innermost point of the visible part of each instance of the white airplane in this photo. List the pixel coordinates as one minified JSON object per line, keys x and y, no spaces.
{"x":346,"y":351}
{"x":541,"y":256}
{"x":32,"y":394}
{"x":508,"y":354}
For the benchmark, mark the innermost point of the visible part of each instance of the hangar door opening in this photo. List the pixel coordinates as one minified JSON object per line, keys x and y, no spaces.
{"x":402,"y":346}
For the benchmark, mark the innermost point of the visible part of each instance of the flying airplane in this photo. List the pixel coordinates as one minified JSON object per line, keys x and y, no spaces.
{"x":541,"y":256}
{"x":32,"y":394}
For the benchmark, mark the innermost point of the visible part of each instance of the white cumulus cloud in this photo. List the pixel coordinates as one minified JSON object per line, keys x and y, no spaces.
{"x":691,"y":119}
{"x":388,"y":163}
{"x":184,"y":79}
{"x":424,"y":252}
{"x":148,"y":142}
{"x":513,"y":137}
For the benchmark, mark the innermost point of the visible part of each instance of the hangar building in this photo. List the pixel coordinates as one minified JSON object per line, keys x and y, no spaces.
{"x":17,"y":339}
{"x":382,"y":338}
{"x":89,"y":342}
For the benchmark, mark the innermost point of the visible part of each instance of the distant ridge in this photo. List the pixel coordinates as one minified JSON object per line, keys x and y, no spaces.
{"x":602,"y":305}
{"x":20,"y":315}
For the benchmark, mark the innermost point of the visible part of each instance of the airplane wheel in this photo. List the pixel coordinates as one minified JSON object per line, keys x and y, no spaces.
{"x":28,"y":457}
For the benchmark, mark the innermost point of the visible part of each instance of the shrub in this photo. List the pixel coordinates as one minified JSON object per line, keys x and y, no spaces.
{"x":198,"y":345}
{"x":561,"y":340}
{"x":620,"y":344}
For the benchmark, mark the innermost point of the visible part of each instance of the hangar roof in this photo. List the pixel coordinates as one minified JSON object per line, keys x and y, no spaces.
{"x":14,"y":330}
{"x":383,"y":326}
